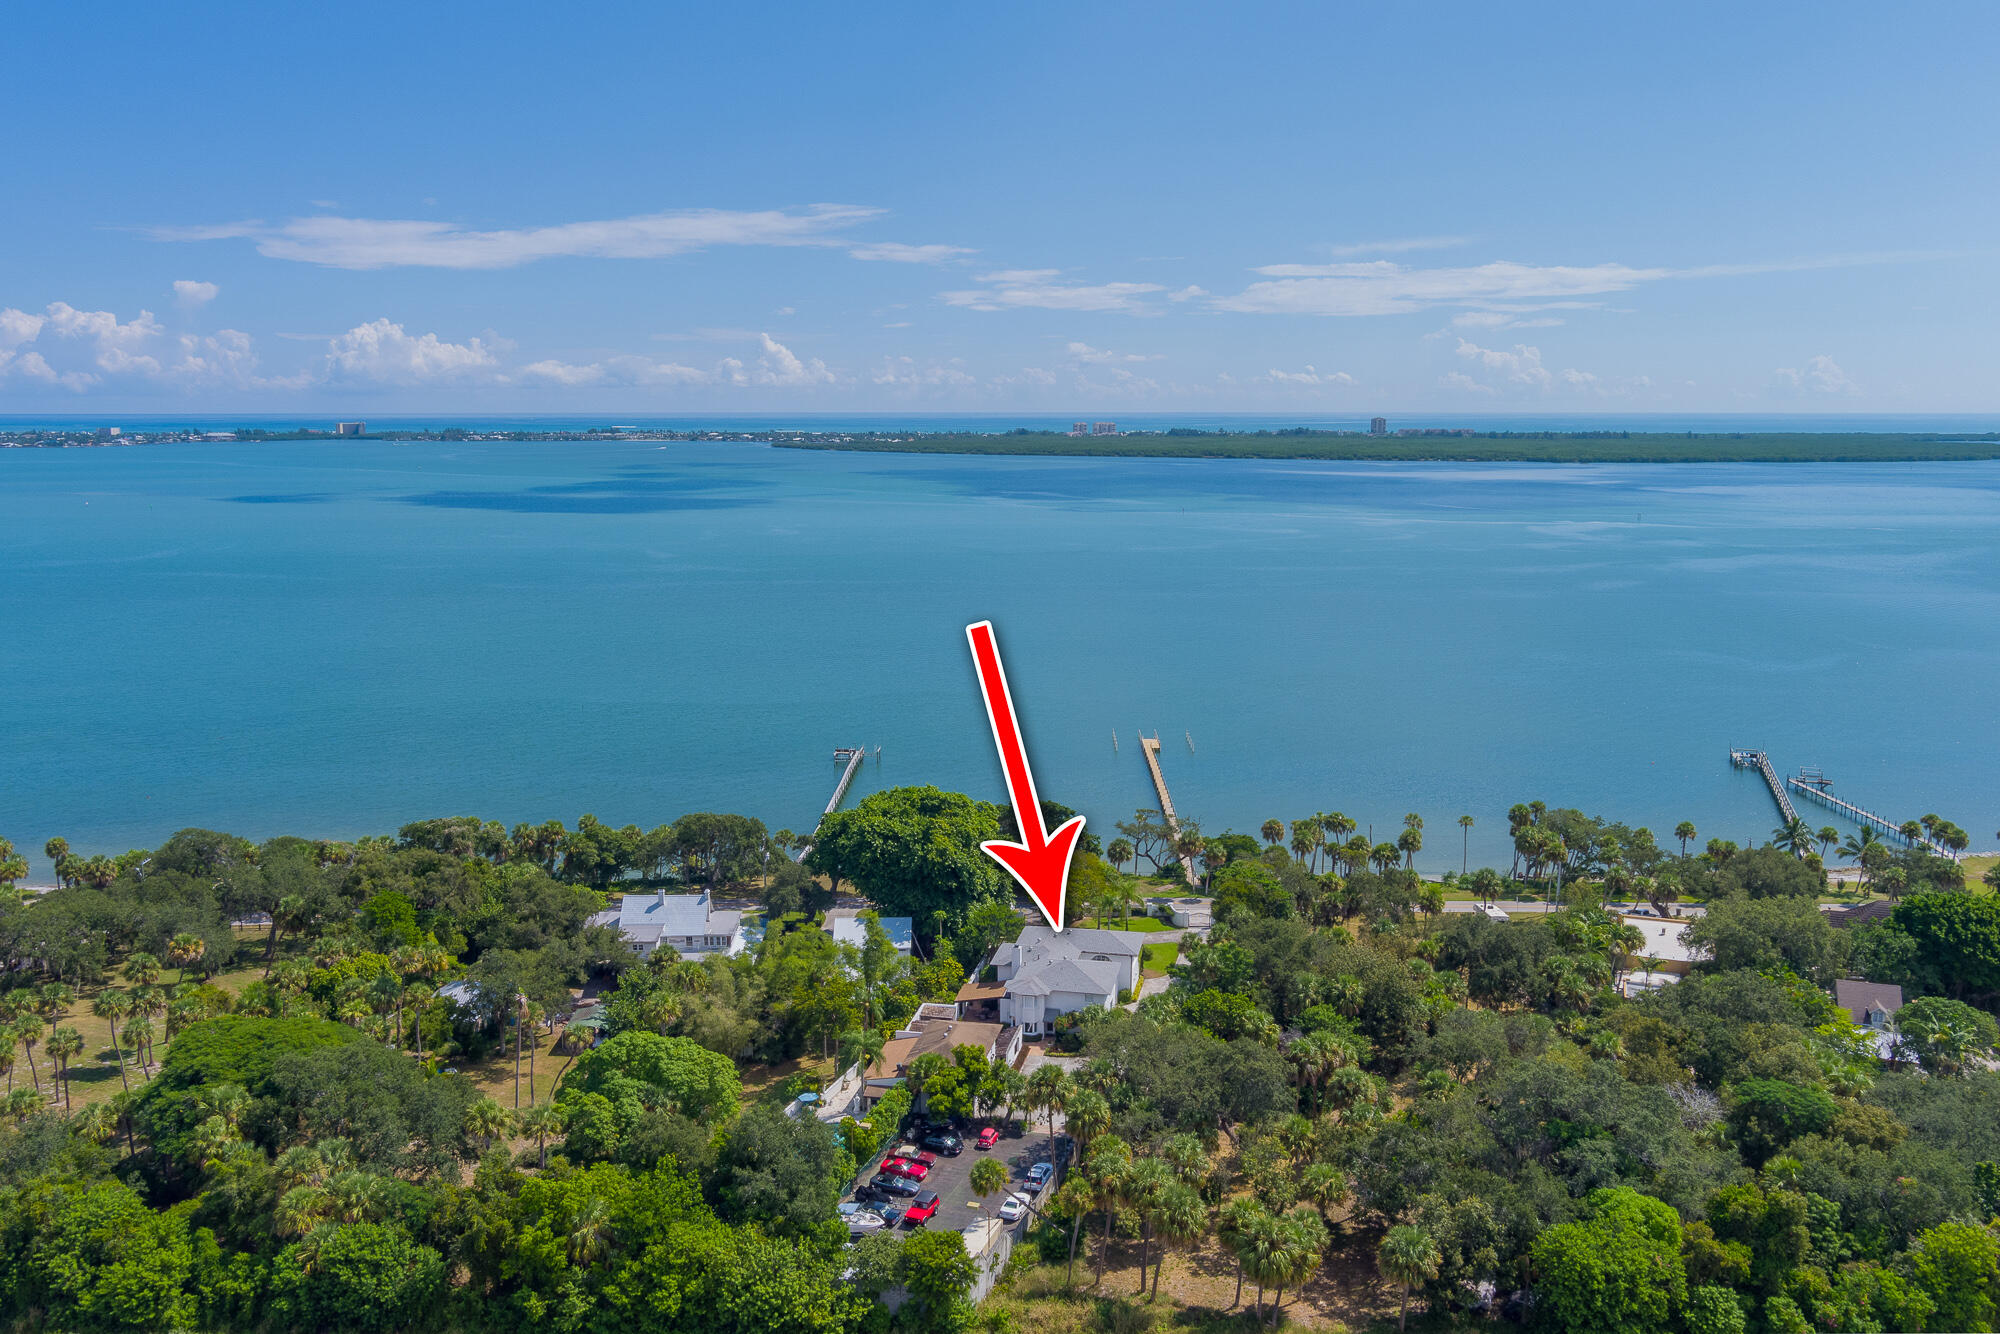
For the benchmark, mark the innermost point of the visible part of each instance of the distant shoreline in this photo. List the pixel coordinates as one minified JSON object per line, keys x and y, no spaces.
{"x":1430,"y":446}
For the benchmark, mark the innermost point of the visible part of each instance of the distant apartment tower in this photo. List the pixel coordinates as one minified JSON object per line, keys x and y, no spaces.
{"x":1104,"y":428}
{"x":1378,"y":426}
{"x":1079,"y":428}
{"x":351,"y":428}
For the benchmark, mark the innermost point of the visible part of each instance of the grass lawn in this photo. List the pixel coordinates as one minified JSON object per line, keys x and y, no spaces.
{"x":1154,"y":960}
{"x":1197,"y":1294}
{"x":1976,"y":869}
{"x":1133,"y":923}
{"x":759,"y":1078}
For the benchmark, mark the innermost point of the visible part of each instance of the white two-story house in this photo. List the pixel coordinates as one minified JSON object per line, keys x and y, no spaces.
{"x":1045,"y":974}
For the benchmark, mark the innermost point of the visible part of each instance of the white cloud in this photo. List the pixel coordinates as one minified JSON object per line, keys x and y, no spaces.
{"x":1461,"y":381}
{"x":905,"y":373}
{"x":380,"y":243}
{"x":1188,"y":293}
{"x":779,"y":367}
{"x":1043,"y":289}
{"x":1311,"y":376}
{"x":1523,"y":365}
{"x":1820,"y":375}
{"x":1097,"y":356}
{"x":895,"y":252}
{"x":380,"y":351}
{"x":1502,"y":319}
{"x":190,"y":293}
{"x":1398,"y":247}
{"x":18,"y":327}
{"x":1382,"y":287}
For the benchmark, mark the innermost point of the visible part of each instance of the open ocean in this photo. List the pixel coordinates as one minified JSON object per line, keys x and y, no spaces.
{"x":331,"y":639}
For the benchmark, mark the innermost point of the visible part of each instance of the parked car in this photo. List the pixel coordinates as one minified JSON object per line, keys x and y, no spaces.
{"x":921,"y":1209}
{"x":894,"y":1185}
{"x":891,"y":1214}
{"x":989,"y":1137}
{"x":945,"y":1143}
{"x":863,"y":1223}
{"x":915,"y":1154}
{"x":1012,"y":1208}
{"x":914,"y":1171}
{"x":1038,"y":1176}
{"x":893,"y":1163}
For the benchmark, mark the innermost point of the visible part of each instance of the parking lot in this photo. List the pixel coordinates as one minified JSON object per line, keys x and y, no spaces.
{"x":952,"y":1177}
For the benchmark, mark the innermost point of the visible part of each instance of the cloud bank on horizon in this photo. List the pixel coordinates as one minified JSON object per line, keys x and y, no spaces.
{"x":1264,"y":242}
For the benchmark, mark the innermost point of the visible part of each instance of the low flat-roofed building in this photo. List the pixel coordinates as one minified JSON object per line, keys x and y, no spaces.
{"x":845,"y":925}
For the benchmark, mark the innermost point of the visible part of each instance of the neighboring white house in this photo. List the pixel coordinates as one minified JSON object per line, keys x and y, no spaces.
{"x":845,"y":926}
{"x":1045,"y":974}
{"x":690,"y":923}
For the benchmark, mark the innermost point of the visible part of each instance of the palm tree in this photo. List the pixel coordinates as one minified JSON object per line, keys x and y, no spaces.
{"x":63,"y":1045}
{"x":1088,"y":1116}
{"x":1383,"y":856}
{"x":545,"y":1120}
{"x":1118,"y":851}
{"x":1260,"y":1246}
{"x":1828,"y":836}
{"x":299,"y":1210}
{"x":1273,"y":832}
{"x":1144,"y":1185}
{"x":7,"y":1056}
{"x":1304,"y":1246}
{"x":186,"y":950}
{"x":1465,"y":859}
{"x":28,"y":1030}
{"x":1794,"y":835}
{"x":1686,"y":833}
{"x":988,"y":1175}
{"x":1306,"y":836}
{"x":1049,"y":1091}
{"x":1234,"y":1223}
{"x":1410,"y":842}
{"x":1407,"y":1256}
{"x":142,"y":970}
{"x":111,"y":1006}
{"x":57,"y":851}
{"x":1073,"y":1202}
{"x":1106,"y":1170}
{"x":487,"y":1121}
{"x":1179,"y":1219}
{"x":1338,"y":826}
{"x":211,"y":1142}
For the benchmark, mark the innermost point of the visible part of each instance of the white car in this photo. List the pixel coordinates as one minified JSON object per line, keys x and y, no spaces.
{"x":862,"y":1223}
{"x":1012,"y":1208}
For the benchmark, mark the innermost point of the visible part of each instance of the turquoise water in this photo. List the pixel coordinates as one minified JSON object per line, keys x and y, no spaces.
{"x":332,"y":639}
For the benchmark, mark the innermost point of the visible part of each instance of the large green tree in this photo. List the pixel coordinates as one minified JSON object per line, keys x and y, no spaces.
{"x":914,"y":852}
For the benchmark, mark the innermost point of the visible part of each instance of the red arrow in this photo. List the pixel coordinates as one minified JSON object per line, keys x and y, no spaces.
{"x":1042,"y":863}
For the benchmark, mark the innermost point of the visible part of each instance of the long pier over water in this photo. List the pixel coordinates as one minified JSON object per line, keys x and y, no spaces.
{"x":1151,"y":748}
{"x":853,"y":755}
{"x":1758,"y":760}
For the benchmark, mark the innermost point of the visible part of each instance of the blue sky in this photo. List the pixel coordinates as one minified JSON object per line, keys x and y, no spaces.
{"x":1329,"y":209}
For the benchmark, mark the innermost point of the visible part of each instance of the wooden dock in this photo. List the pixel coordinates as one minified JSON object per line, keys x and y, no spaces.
{"x":1861,"y":816}
{"x":1150,"y":747}
{"x":1758,"y":760}
{"x":853,"y":755}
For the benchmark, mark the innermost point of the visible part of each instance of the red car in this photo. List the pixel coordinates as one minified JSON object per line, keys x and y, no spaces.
{"x":989,"y":1137}
{"x":921,"y":1209}
{"x":903,"y":1167}
{"x":912,"y":1153}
